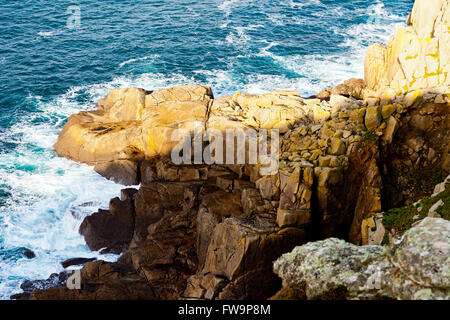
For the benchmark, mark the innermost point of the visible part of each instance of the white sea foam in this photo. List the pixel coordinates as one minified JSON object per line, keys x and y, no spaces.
{"x":52,"y":33}
{"x":151,"y":57}
{"x":49,"y":195}
{"x":304,"y":3}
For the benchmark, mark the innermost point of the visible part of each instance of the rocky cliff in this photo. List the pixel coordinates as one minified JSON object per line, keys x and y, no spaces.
{"x":418,"y":56}
{"x":212,"y":230}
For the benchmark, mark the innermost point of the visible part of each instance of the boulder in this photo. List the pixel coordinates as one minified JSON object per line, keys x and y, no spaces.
{"x":350,"y":88}
{"x":132,"y":124}
{"x":414,"y":268}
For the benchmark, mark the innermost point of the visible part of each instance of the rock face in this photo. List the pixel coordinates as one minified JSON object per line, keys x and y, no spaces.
{"x":110,"y":230}
{"x":130,"y":123}
{"x":212,"y":229}
{"x":388,"y":227}
{"x":417,"y":57}
{"x":415,"y":268}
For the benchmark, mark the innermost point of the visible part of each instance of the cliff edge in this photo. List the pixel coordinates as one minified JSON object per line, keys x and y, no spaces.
{"x":209,"y":224}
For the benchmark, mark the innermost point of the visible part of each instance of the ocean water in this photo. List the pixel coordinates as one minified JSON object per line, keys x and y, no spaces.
{"x":60,"y":57}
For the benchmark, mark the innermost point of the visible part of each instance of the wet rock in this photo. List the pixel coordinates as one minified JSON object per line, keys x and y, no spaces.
{"x":28,"y":253}
{"x":28,"y":286}
{"x":110,"y":230}
{"x":76,"y":262}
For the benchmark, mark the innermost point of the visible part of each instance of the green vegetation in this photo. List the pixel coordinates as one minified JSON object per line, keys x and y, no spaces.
{"x":401,"y":219}
{"x":369,"y":137}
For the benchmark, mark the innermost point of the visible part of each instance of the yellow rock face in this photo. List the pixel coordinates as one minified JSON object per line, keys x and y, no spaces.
{"x":160,"y":123}
{"x":124,"y":104}
{"x":132,"y":123}
{"x":388,"y":110}
{"x":418,"y":56}
{"x":373,"y":118}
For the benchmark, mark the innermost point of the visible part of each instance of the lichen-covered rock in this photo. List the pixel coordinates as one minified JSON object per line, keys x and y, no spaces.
{"x":415,"y":267}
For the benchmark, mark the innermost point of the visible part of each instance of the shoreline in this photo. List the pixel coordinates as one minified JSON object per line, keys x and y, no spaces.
{"x":340,"y":161}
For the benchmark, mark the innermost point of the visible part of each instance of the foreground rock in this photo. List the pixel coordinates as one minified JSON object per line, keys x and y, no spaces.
{"x":415,"y":268}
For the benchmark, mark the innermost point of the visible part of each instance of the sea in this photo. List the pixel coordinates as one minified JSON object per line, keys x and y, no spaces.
{"x":60,"y":57}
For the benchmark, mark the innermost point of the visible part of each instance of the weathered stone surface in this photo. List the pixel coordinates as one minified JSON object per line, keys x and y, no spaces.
{"x":414,"y":268}
{"x":120,"y":171}
{"x":152,"y":201}
{"x":291,"y":218}
{"x":373,"y":118}
{"x":130,"y":123}
{"x":241,"y":252}
{"x":352,"y":88}
{"x":214,"y":208}
{"x":417,"y":56}
{"x":391,"y":129}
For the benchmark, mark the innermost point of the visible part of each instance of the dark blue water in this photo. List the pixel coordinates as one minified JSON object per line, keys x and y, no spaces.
{"x":52,"y":67}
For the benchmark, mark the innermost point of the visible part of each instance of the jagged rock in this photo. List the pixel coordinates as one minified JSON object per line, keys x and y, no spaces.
{"x":388,"y":110}
{"x":153,"y":200}
{"x":148,"y":172}
{"x":293,"y":218}
{"x":101,"y":281}
{"x":250,"y":200}
{"x":128,"y":194}
{"x":324,"y":94}
{"x":351,"y":88}
{"x":214,"y":208}
{"x":28,"y":286}
{"x":391,"y":130}
{"x":110,"y":230}
{"x":373,"y":118}
{"x":120,"y":171}
{"x":76,"y":262}
{"x":241,"y":251}
{"x":413,"y":268}
{"x":417,"y":56}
